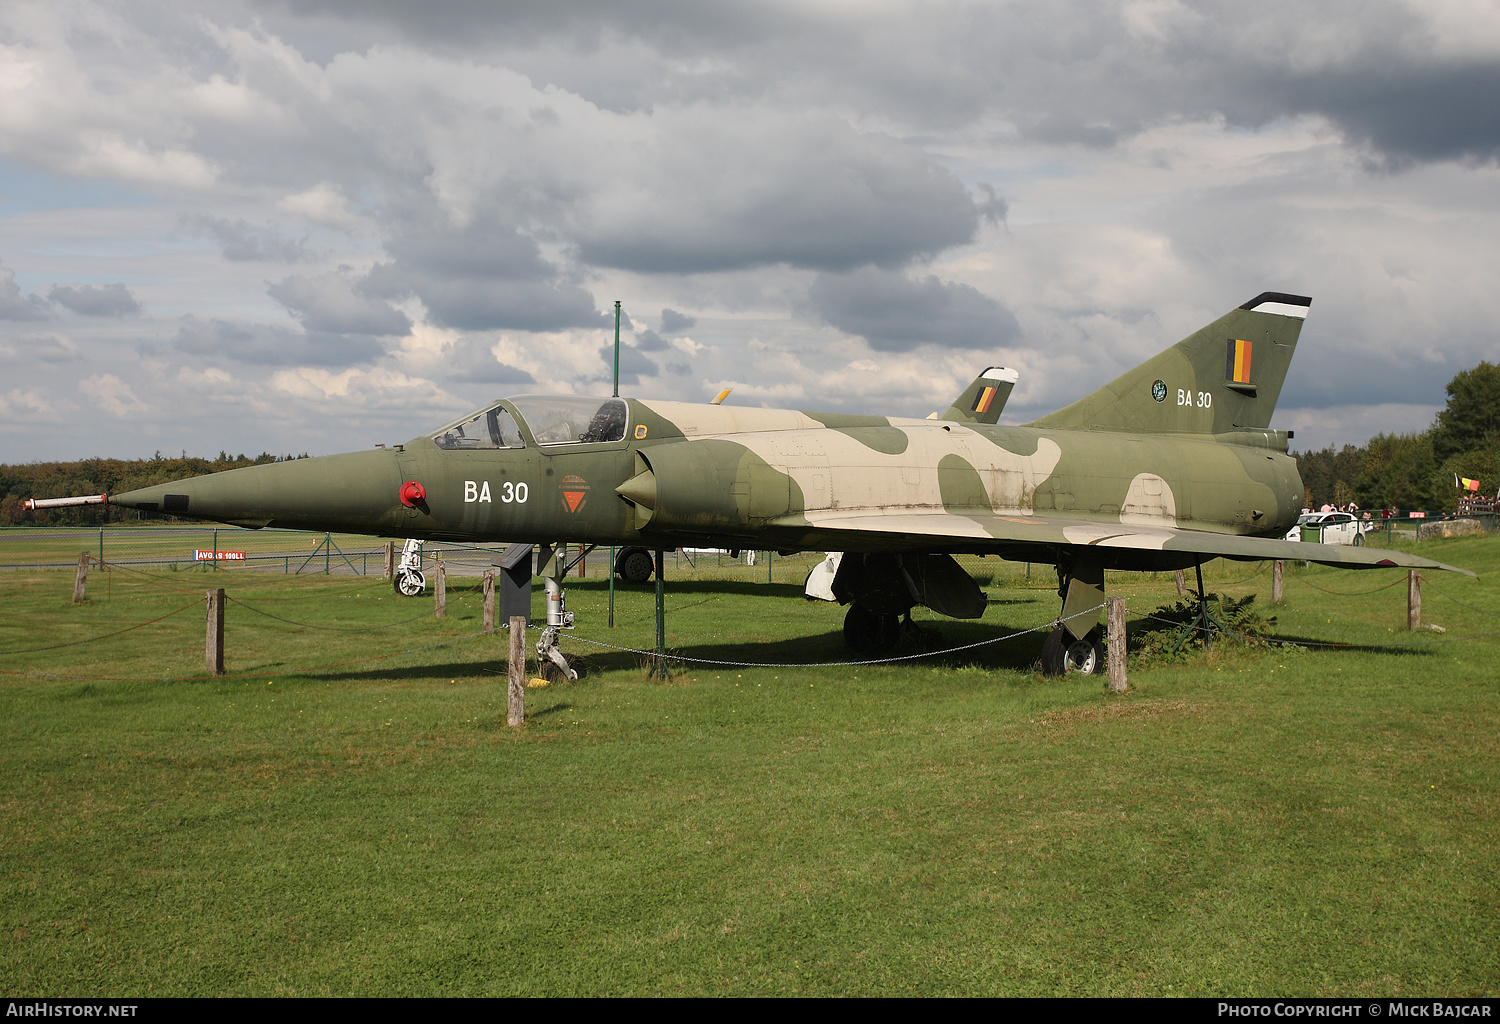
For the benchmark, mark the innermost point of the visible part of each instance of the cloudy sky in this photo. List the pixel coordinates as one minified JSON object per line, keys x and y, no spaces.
{"x":317,"y":225}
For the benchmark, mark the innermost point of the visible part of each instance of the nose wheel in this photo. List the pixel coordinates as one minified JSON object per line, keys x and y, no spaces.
{"x":408,"y":579}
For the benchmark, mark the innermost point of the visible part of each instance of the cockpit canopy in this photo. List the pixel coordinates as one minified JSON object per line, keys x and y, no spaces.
{"x":552,"y":419}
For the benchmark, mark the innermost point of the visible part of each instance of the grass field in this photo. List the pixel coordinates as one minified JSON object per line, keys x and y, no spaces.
{"x":339,"y":817}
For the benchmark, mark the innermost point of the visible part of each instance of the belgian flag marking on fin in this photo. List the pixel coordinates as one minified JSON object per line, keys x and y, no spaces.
{"x":983,"y":399}
{"x":1237,"y":366}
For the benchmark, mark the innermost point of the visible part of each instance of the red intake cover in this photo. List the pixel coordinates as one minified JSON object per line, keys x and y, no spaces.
{"x":412,"y":494}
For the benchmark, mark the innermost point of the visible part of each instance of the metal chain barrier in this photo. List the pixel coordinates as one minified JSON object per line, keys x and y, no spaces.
{"x":835,"y":664}
{"x":105,"y":636}
{"x":1339,"y":593}
{"x":335,"y":629}
{"x":1234,"y":583}
{"x":1312,"y":643}
{"x":1428,"y":583}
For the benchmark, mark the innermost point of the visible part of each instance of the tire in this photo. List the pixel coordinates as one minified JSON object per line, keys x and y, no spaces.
{"x":1358,"y":540}
{"x":1062,"y":655}
{"x":409,"y":582}
{"x":867,"y":632}
{"x":635,"y":565}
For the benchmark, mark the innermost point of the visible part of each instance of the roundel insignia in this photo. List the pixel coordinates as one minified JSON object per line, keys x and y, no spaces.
{"x":1159,"y":391}
{"x":640,"y":428}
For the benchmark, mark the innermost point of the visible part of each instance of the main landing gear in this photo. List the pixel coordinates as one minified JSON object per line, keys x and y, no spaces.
{"x":1076,"y":643}
{"x":870,"y":632}
{"x":1061,"y":654}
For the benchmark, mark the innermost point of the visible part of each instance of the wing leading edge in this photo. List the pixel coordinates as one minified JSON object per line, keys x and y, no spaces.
{"x":1123,"y":546}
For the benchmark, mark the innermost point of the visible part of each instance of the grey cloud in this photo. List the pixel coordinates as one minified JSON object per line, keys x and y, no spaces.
{"x":486,"y":276}
{"x":673,"y":322}
{"x":649,"y":341}
{"x":329,"y":303}
{"x":1404,"y":111}
{"x":14,"y":305}
{"x":34,"y":348}
{"x":470,"y":361}
{"x":241,"y":241}
{"x":105,"y":300}
{"x":633,"y":364}
{"x":1063,"y":130}
{"x":895,"y":313}
{"x":994,"y":208}
{"x":740,"y":191}
{"x":671,"y":24}
{"x":268,"y":345}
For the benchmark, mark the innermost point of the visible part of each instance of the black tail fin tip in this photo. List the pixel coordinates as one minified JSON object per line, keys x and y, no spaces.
{"x":1280,"y":302}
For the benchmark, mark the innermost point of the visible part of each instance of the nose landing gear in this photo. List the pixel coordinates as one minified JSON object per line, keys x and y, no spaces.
{"x":409,"y":581}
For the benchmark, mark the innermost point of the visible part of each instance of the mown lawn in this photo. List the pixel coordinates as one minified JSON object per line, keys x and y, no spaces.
{"x":1257,"y":820}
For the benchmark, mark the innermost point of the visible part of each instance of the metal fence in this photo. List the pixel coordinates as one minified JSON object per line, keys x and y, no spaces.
{"x":1408,"y":528}
{"x":182,"y":548}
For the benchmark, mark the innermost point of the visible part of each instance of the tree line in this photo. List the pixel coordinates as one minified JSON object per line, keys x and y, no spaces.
{"x":102,"y":476}
{"x":1416,"y":471}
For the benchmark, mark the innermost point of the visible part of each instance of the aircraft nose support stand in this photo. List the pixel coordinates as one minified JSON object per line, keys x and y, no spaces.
{"x":555,"y":665}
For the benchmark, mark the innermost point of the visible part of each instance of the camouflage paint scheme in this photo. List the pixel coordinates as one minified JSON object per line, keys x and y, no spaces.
{"x":1169,"y":465}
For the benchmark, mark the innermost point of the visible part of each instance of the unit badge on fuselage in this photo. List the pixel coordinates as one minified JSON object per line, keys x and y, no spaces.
{"x":575,"y":491}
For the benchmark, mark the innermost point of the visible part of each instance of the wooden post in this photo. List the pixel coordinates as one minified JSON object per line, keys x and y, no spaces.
{"x":583,"y":563}
{"x":213,"y":649}
{"x":489,"y":601}
{"x":440,"y":592}
{"x":390,"y":559}
{"x":82,"y":577}
{"x":1413,"y":600}
{"x":1278,"y":570}
{"x":1181,"y":584}
{"x":516,"y":702}
{"x":1115,"y":637}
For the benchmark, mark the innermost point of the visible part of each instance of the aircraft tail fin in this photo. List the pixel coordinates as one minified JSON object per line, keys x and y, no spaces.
{"x":1225,"y":377}
{"x":984,"y":399}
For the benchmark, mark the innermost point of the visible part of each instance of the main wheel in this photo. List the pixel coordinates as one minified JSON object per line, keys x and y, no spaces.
{"x":1358,"y":540}
{"x":1062,"y":654}
{"x":869,"y":633}
{"x":635,"y":565}
{"x":410,"y":582}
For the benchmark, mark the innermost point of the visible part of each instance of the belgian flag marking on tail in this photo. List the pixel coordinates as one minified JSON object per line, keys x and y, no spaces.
{"x":1237,"y":366}
{"x":983,"y":399}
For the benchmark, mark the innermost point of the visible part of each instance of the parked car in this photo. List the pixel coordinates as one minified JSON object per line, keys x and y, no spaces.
{"x":1329,"y":528}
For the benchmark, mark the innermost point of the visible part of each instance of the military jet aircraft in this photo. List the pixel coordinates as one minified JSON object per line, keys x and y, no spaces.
{"x":1170,"y":465}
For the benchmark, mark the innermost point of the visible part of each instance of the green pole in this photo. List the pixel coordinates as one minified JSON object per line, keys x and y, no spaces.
{"x":216,"y":550}
{"x":617,"y":348}
{"x":611,"y":587}
{"x":661,"y":615}
{"x":101,"y":545}
{"x":327,"y":552}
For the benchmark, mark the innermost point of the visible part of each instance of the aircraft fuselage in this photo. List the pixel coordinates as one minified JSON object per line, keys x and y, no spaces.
{"x":699,"y":475}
